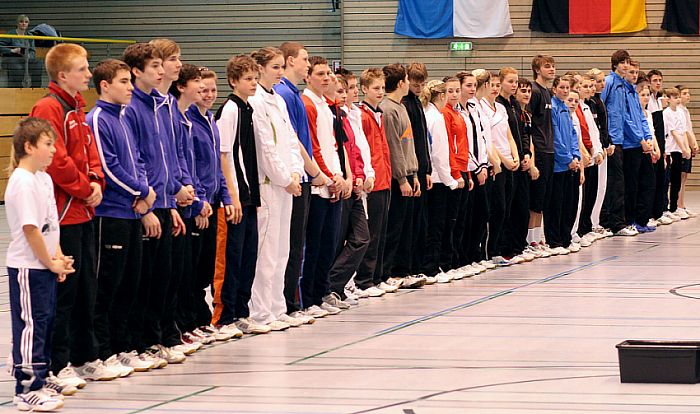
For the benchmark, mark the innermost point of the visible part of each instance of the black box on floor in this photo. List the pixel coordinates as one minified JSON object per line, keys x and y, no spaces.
{"x":659,"y":361}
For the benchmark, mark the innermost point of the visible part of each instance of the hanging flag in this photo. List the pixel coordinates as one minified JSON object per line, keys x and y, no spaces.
{"x":682,"y":16}
{"x":453,"y":18}
{"x":588,"y":16}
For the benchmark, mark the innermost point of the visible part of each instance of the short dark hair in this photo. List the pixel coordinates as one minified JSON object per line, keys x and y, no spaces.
{"x":106,"y":70}
{"x":187,"y":73}
{"x":620,"y":56}
{"x":238,"y":65}
{"x":138,"y":55}
{"x":462,"y":76}
{"x":315,"y":61}
{"x":655,"y":72}
{"x":523,"y":82}
{"x":417,"y":72}
{"x":393,"y":74}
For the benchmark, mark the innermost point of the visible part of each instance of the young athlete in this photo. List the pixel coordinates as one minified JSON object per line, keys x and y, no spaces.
{"x":280,"y":168}
{"x":79,"y":183}
{"x":644,"y":92}
{"x":656,"y":107}
{"x":35,"y":263}
{"x":693,"y":145}
{"x":676,"y":143}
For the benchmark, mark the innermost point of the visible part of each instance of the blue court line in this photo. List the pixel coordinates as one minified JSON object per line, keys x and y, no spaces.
{"x":457,"y":308}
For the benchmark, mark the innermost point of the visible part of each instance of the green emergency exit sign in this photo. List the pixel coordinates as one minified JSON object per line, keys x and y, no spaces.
{"x":460,"y":46}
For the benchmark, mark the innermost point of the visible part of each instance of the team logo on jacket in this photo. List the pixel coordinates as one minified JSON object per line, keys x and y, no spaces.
{"x":72,"y":124}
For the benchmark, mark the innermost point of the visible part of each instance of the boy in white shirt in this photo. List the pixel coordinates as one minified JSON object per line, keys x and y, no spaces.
{"x":676,"y":143}
{"x":34,"y":264}
{"x":692,"y":144}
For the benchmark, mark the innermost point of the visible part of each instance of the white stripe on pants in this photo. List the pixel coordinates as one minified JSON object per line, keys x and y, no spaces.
{"x":267,"y":301}
{"x":602,"y":183}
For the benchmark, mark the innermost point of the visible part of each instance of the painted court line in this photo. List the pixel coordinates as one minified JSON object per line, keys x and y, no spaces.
{"x":456,"y":308}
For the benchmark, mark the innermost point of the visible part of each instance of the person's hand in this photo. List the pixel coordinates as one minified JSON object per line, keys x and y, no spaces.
{"x":190,"y":189}
{"x":647,"y":145}
{"x":294,"y":188}
{"x":347,"y":189}
{"x":151,"y":225}
{"x":321,"y":179}
{"x":525,"y":164}
{"x":178,"y":224}
{"x":337,"y":184}
{"x":428,"y":182}
{"x":497,"y":169}
{"x":206,"y":210}
{"x":358,"y":187}
{"x":140,"y":206}
{"x":574,"y":165}
{"x":582,"y":178}
{"x":369,"y":184}
{"x":610,"y":150}
{"x":95,"y":196}
{"x":471,"y":184}
{"x":406,"y":189}
{"x":62,"y":266}
{"x":460,"y":183}
{"x":694,"y":150}
{"x":416,"y":187}
{"x":234,"y":212}
{"x":534,"y":172}
{"x":482,"y":176}
{"x":201,"y":222}
{"x":183,"y":197}
{"x":686,"y":153}
{"x":598,"y":159}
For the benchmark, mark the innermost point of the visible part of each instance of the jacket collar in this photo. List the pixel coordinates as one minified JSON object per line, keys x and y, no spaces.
{"x":76,"y":102}
{"x":114,"y":109}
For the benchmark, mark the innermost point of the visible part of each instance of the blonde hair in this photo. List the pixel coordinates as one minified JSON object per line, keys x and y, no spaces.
{"x":431,"y":91}
{"x":166,"y":47}
{"x":482,"y":77}
{"x":60,"y":58}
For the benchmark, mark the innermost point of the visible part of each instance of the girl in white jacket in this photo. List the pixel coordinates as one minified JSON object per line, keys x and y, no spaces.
{"x":280,"y":168}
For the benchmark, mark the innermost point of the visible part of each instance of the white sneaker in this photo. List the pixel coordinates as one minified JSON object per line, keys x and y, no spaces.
{"x":334,"y":300}
{"x":185,"y":348}
{"x":500,"y":261}
{"x":96,"y":371}
{"x":205,"y":338}
{"x":585,"y":242}
{"x":248,"y":326}
{"x":375,"y":291}
{"x":477,"y":266}
{"x":664,"y":220}
{"x":361,"y":294}
{"x":591,"y":237}
{"x":455,"y":274}
{"x":652,"y":223}
{"x":387,"y":288}
{"x":293,"y":322}
{"x":332,"y":310}
{"x":690,"y":213}
{"x":68,"y":376}
{"x":156,"y":361}
{"x":469,"y":270}
{"x":212,"y":332}
{"x":574,"y":248}
{"x":37,"y":401}
{"x":627,"y":231}
{"x":170,"y":355}
{"x":682,"y":214}
{"x":575,"y":238}
{"x":316,"y":312}
{"x":114,"y":363}
{"x":674,"y":216}
{"x":517,"y":259}
{"x":131,"y":359}
{"x":303,"y":317}
{"x":278,"y":325}
{"x":488,"y":264}
{"x":561,"y":251}
{"x":231,"y":331}
{"x":57,"y":385}
{"x":527,"y":256}
{"x":430,"y":280}
{"x":411,"y":282}
{"x":443,"y":277}
{"x":352,"y":301}
{"x":351,"y":295}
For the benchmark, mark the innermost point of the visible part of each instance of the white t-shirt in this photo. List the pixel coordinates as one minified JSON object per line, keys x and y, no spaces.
{"x":29,"y":199}
{"x":686,"y":118}
{"x":673,"y":121}
{"x":228,"y":130}
{"x":499,"y":126}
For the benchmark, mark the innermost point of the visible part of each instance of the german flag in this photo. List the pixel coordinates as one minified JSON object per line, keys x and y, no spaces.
{"x":682,"y":16}
{"x":589,"y":17}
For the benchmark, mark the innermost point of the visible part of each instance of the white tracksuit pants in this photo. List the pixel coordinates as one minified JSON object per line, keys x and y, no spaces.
{"x":602,"y":184}
{"x":274,"y":218}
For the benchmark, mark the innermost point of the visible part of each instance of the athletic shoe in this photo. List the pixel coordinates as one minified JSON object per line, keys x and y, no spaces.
{"x":293,"y":322}
{"x":477,"y":266}
{"x":68,"y":376}
{"x":682,"y":214}
{"x":170,"y":355}
{"x":429,"y":280}
{"x":527,"y":256}
{"x":455,"y":274}
{"x":185,"y":349}
{"x":376,"y":291}
{"x":316,"y":311}
{"x":387,"y":288}
{"x":248,"y":326}
{"x":352,"y":301}
{"x":189,"y":339}
{"x":351,"y":296}
{"x":114,"y":363}
{"x":652,"y":223}
{"x":332,"y":310}
{"x":131,"y":359}
{"x":674,"y":216}
{"x":627,"y":231}
{"x":690,"y":214}
{"x":361,"y":294}
{"x":516,"y":259}
{"x":664,"y":220}
{"x":53,"y":390}
{"x":411,"y":282}
{"x":156,"y":361}
{"x":303,"y":317}
{"x":443,"y":277}
{"x":278,"y":325}
{"x":575,"y":238}
{"x":52,"y":382}
{"x":643,"y":229}
{"x":205,"y":334}
{"x":469,"y":270}
{"x":592,"y":236}
{"x":574,"y":248}
{"x":561,"y":251}
{"x":585,"y":242}
{"x":500,"y":261}
{"x":231,"y":331}
{"x":38,"y":401}
{"x":334,"y":300}
{"x":96,"y":371}
{"x":488,"y":264}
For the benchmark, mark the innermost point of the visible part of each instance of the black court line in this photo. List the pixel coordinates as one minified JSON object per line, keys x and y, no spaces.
{"x":192,"y":394}
{"x":675,"y":290}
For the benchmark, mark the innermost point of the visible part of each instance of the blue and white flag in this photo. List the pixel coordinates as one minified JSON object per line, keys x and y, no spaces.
{"x":430,"y":19}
